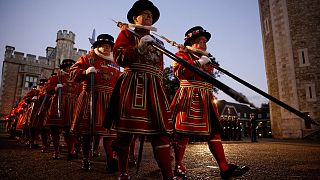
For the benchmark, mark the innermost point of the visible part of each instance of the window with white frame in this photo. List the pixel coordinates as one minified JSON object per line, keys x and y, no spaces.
{"x":303,"y":57}
{"x":30,"y":81}
{"x":311,"y":92}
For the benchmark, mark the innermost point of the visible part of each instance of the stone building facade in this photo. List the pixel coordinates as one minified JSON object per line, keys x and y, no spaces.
{"x":291,"y":40}
{"x":21,"y":72}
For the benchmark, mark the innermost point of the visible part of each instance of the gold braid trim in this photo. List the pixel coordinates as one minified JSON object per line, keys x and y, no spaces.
{"x":215,"y":140}
{"x":196,"y":84}
{"x":162,"y":146}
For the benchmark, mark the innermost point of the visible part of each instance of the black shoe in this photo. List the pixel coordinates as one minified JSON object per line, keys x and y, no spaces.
{"x":132,"y":162}
{"x":124,"y":176}
{"x":44,"y":149}
{"x":34,"y":146}
{"x":86,"y":165}
{"x":72,"y":156}
{"x":56,"y":156}
{"x":178,"y":172}
{"x":234,"y":171}
{"x":96,"y":154}
{"x":112,"y":167}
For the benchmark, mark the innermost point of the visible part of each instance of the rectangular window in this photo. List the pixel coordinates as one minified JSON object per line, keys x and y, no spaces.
{"x":303,"y":57}
{"x":26,"y":84}
{"x":311,"y":93}
{"x":30,"y":81}
{"x":22,"y":68}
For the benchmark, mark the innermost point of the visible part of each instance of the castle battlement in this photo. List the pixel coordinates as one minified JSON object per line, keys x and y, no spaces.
{"x":20,"y":69}
{"x":65,"y":35}
{"x":31,"y":57}
{"x":79,"y":52}
{"x":12,"y":55}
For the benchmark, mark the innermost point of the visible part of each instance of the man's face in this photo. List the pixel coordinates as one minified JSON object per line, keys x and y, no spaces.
{"x":145,"y":18}
{"x":105,"y":49}
{"x":200,"y":43}
{"x":66,"y":68}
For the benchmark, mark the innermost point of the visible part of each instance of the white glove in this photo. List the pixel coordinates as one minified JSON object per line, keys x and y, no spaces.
{"x":35,"y":98}
{"x":91,"y":70}
{"x":59,"y":86}
{"x":204,"y":60}
{"x":146,"y":39}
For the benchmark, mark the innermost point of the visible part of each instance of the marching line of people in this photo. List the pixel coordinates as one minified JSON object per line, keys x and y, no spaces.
{"x":91,"y":100}
{"x":39,"y":114}
{"x":232,"y":129}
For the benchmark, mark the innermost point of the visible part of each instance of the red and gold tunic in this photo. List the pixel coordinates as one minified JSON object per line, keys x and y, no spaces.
{"x":38,"y":118}
{"x":22,"y":113}
{"x":28,"y":99}
{"x":141,"y":105}
{"x":194,"y":110}
{"x":69,"y":95}
{"x":30,"y":94}
{"x":35,"y":108}
{"x":105,"y":79}
{"x":10,"y":119}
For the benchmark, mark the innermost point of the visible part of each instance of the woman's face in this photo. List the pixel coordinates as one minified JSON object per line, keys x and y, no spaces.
{"x":200,"y":43}
{"x":105,"y":49}
{"x":145,"y":18}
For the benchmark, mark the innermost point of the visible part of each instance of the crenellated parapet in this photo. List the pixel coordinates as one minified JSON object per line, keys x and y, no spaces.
{"x":28,"y":59}
{"x":20,"y":69}
{"x":78,"y":53}
{"x":66,"y":35}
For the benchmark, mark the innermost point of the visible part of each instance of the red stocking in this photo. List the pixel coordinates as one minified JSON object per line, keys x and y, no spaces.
{"x":55,"y":139}
{"x":217,"y":150}
{"x":121,"y":146}
{"x":179,"y":150}
{"x":161,"y":152}
{"x":107,"y":147}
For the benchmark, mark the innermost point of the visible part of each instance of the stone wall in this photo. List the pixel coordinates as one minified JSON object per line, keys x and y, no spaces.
{"x":305,"y":33}
{"x":18,"y":65}
{"x":288,"y":28}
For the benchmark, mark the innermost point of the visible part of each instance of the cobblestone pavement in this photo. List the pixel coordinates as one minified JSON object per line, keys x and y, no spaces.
{"x":268,"y":159}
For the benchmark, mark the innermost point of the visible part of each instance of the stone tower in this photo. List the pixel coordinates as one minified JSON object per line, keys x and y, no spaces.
{"x":64,"y":48}
{"x":20,"y":71}
{"x":291,"y":40}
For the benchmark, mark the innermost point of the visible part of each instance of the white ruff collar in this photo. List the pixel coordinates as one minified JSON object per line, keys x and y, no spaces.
{"x":150,"y":28}
{"x":110,"y":57}
{"x":197,"y":50}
